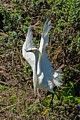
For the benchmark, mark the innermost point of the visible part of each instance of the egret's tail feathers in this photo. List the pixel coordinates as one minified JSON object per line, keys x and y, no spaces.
{"x":58,"y":75}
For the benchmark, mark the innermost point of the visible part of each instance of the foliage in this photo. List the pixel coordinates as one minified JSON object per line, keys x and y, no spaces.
{"x":64,"y":48}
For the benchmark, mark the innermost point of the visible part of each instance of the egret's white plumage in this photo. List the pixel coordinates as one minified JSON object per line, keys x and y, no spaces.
{"x":28,"y":44}
{"x":44,"y":76}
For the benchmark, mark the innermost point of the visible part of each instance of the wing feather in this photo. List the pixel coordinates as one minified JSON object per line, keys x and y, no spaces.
{"x":50,"y":74}
{"x":29,"y":39}
{"x":46,"y":65}
{"x":28,"y":44}
{"x":45,"y":36}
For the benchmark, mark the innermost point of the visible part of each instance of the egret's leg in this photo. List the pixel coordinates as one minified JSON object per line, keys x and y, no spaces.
{"x":54,"y":89}
{"x":51,"y":102}
{"x":35,"y":86}
{"x":38,"y":93}
{"x":35,"y":89}
{"x":57,"y":96}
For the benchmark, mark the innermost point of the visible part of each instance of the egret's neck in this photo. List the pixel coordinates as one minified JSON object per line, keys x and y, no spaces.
{"x":39,"y":64}
{"x":35,"y":78}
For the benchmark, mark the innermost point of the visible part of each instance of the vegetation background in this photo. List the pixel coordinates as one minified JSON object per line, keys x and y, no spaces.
{"x":16,"y":91}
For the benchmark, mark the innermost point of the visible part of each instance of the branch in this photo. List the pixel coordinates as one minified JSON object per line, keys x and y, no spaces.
{"x":8,"y":107}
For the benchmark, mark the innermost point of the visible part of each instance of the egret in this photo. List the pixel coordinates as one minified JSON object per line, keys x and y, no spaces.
{"x":44,"y":76}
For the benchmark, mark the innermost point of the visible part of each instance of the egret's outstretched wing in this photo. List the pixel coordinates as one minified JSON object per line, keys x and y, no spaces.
{"x":49,"y":73}
{"x":45,"y":36}
{"x":29,"y":39}
{"x":47,"y":27}
{"x":46,"y":65}
{"x":28,"y":44}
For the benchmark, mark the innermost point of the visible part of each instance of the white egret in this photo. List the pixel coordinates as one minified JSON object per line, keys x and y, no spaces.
{"x":44,"y":76}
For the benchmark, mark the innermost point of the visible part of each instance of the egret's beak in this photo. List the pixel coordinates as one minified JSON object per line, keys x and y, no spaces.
{"x":34,"y":50}
{"x":31,"y":50}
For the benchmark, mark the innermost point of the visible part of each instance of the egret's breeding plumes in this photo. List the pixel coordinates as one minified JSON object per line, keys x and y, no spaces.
{"x":44,"y":76}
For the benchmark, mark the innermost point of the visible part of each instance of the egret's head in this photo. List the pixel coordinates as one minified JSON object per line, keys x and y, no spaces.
{"x":34,"y":50}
